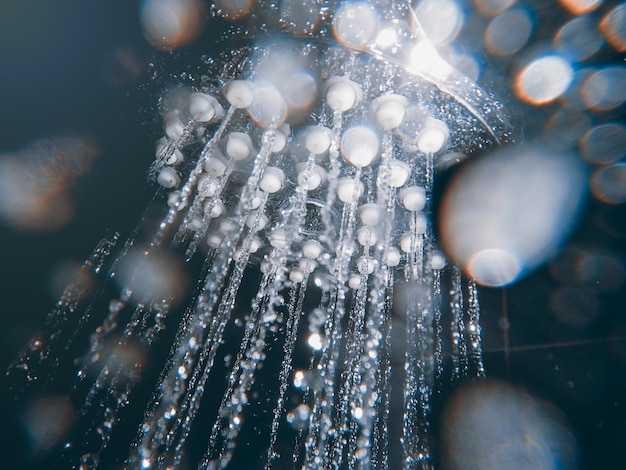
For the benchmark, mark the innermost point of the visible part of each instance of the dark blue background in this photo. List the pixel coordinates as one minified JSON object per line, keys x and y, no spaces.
{"x":53,"y":77}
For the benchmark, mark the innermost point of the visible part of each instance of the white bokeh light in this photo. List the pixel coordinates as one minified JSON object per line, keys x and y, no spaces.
{"x":544,"y":79}
{"x":441,"y":20}
{"x":507,"y":213}
{"x":356,"y":24}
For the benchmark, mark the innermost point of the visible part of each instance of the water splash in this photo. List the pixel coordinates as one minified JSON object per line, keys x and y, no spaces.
{"x":298,"y":187}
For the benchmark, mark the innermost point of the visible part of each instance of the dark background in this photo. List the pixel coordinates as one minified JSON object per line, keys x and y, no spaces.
{"x":59,"y":72}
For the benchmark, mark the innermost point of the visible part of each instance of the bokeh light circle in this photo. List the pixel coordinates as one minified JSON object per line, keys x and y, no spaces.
{"x":506,"y":213}
{"x":613,"y":27}
{"x":356,"y":24}
{"x":578,"y":39}
{"x":543,"y":80}
{"x":169,"y":24}
{"x":604,"y":144}
{"x":608,"y":184}
{"x":578,"y":7}
{"x":441,"y":20}
{"x":605,"y":89}
{"x":492,"y":8}
{"x":494,"y":267}
{"x":493,"y":426}
{"x":508,"y":32}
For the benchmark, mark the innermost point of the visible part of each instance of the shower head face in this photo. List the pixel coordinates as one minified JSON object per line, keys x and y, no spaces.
{"x":383,"y":117}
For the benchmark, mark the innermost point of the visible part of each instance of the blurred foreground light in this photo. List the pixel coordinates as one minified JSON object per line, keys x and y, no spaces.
{"x":578,"y":7}
{"x":387,"y":38}
{"x":315,"y":342}
{"x":127,"y":359}
{"x":356,"y":24}
{"x":605,"y":89}
{"x":593,"y":269}
{"x":543,"y":80}
{"x":494,"y":426}
{"x":441,"y":20}
{"x":47,"y":420}
{"x":407,"y":295}
{"x":507,"y":213}
{"x":604,"y":144}
{"x":492,"y":7}
{"x":35,"y":182}
{"x":299,"y":417}
{"x":564,"y":128}
{"x":574,"y":306}
{"x":578,"y":39}
{"x":122,"y":65}
{"x":468,"y":65}
{"x":284,"y":88}
{"x":71,"y":275}
{"x":600,"y":271}
{"x":423,"y":59}
{"x":152,"y":276}
{"x":573,"y":98}
{"x":508,"y":32}
{"x":613,"y":27}
{"x":608,"y":184}
{"x":268,"y":108}
{"x":169,"y":24}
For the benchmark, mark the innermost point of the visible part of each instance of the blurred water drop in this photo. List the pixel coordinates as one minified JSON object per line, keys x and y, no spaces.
{"x":356,"y":24}
{"x":573,"y":98}
{"x":613,"y":27}
{"x":299,"y":417}
{"x":600,"y":271}
{"x":441,"y":20}
{"x":574,"y":306}
{"x":564,"y":128}
{"x":604,"y":144}
{"x":506,"y":213}
{"x":605,"y":89}
{"x":493,"y":7}
{"x":152,"y":276}
{"x":508,"y":32}
{"x":47,"y":420}
{"x":608,"y":184}
{"x":578,"y":39}
{"x":69,"y":272}
{"x":170,"y":24}
{"x":563,"y":267}
{"x":543,"y":80}
{"x":578,"y":7}
{"x":268,"y":108}
{"x":36,"y":181}
{"x":494,"y":267}
{"x":494,"y":425}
